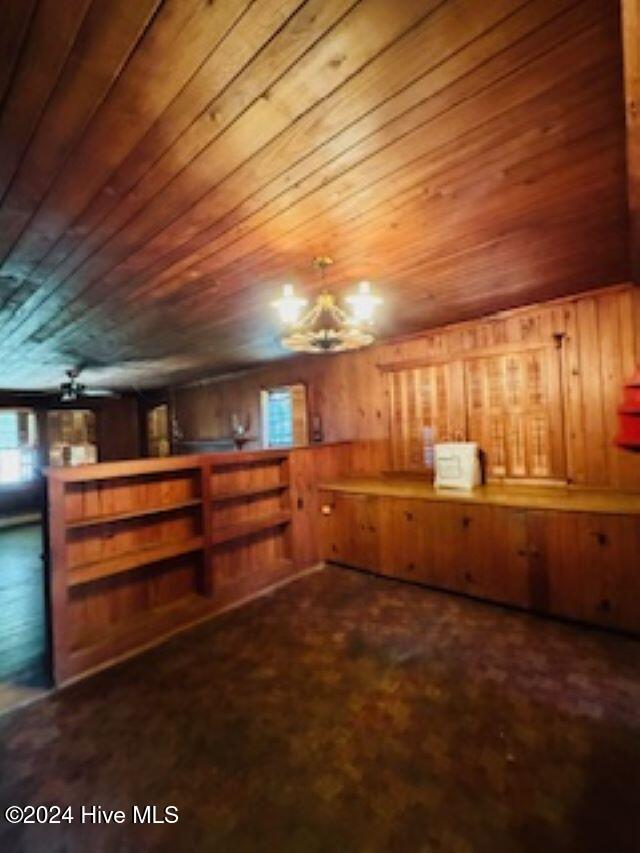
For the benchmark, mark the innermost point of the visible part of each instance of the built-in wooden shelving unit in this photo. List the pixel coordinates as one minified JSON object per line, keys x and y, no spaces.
{"x":140,"y":545}
{"x":143,"y":548}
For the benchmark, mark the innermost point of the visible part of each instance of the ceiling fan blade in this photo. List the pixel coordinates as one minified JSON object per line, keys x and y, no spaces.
{"x":98,"y":392}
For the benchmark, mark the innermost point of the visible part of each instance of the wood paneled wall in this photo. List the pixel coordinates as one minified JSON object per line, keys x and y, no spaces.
{"x":599,"y":333}
{"x":118,"y":429}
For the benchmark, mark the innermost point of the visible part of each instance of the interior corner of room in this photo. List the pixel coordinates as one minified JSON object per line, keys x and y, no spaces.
{"x":320,"y":367}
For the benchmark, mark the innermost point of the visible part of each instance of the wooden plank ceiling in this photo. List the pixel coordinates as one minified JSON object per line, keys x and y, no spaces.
{"x":165,"y":166}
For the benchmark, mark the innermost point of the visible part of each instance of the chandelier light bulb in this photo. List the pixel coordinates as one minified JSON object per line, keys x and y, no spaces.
{"x":363,"y":303}
{"x":289,"y":306}
{"x":326,"y":327}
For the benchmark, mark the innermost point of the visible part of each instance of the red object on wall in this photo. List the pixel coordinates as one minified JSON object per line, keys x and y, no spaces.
{"x":629,"y":415}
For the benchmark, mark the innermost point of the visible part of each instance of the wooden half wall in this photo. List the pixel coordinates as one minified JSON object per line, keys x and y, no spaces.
{"x":598,"y":334}
{"x":141,"y":549}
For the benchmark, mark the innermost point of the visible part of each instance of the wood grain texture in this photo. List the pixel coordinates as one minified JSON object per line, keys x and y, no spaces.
{"x":631,"y":52}
{"x":521,"y":497}
{"x":140,"y":549}
{"x":599,"y":336}
{"x":166,"y":166}
{"x":568,"y":555}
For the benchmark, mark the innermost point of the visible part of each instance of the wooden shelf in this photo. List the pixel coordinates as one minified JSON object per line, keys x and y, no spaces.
{"x":249,"y":493}
{"x":145,"y":626}
{"x":249,"y":457}
{"x":96,"y":520}
{"x":246,"y":528}
{"x":98,"y":569}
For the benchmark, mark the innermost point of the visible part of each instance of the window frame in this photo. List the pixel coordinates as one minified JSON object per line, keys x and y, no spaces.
{"x":265,"y":394}
{"x":29,"y":451}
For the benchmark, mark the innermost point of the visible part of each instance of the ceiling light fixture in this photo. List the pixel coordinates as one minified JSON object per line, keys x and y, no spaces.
{"x":326,"y":327}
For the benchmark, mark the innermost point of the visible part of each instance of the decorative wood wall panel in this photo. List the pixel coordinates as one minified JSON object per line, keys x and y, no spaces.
{"x":600,"y":344}
{"x":423,"y":410}
{"x":510,"y":413}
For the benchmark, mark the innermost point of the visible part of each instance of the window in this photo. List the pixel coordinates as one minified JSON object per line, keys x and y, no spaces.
{"x":72,"y":437}
{"x":284,"y":416}
{"x":18,"y":445}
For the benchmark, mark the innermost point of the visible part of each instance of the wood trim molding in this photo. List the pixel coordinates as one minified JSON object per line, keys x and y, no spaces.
{"x":631,"y":52}
{"x":456,"y":355}
{"x":523,"y":310}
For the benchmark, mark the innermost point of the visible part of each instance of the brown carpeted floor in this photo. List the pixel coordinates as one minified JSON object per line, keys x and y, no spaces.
{"x":345,"y":713}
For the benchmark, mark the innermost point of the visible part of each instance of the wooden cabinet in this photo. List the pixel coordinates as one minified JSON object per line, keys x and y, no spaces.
{"x":587,"y":566}
{"x":477,"y":550}
{"x":351,"y":533}
{"x":579,"y":565}
{"x":406,"y":540}
{"x":496,"y":564}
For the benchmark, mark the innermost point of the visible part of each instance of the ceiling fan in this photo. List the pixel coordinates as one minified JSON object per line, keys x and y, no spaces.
{"x":73,"y":390}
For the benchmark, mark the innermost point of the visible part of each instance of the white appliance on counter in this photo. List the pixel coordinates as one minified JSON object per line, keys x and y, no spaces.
{"x":457,"y":465}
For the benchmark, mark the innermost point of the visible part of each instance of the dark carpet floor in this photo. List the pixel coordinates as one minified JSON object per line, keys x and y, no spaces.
{"x":344,"y":713}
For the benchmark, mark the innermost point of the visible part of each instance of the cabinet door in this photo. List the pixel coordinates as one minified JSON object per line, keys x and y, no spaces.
{"x":587,"y":566}
{"x":426,"y":541}
{"x":499,"y":568}
{"x":406,"y":539}
{"x":430,"y":542}
{"x":482,"y":552}
{"x":350,"y":531}
{"x":453,"y":533}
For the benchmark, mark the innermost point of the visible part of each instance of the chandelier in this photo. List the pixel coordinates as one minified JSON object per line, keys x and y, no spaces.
{"x":326,"y":327}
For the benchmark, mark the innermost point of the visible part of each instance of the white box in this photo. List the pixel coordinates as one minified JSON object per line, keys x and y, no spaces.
{"x":457,"y":465}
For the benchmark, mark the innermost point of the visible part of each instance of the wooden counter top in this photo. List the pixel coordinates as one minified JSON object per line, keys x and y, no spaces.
{"x":185,"y":461}
{"x":567,"y":499}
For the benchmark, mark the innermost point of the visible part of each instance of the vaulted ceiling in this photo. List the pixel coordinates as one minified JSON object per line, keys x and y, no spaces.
{"x":165,"y":166}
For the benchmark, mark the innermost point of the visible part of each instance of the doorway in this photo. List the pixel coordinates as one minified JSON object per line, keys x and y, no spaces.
{"x":157,"y":431}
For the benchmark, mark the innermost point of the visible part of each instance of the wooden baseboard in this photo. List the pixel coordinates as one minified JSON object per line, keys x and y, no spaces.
{"x":7,"y":521}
